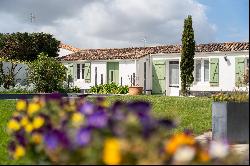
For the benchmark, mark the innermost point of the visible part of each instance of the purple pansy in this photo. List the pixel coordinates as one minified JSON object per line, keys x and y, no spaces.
{"x":139,"y":107}
{"x":83,"y":136}
{"x":87,"y":108}
{"x":98,"y":119}
{"x":56,"y":137}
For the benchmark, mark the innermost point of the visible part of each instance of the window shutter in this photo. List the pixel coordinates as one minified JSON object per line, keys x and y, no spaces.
{"x":214,"y":71}
{"x":239,"y":70}
{"x":70,"y":70}
{"x":87,"y":72}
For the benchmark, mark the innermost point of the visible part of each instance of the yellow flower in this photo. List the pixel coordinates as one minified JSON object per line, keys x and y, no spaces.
{"x":13,"y":125}
{"x":29,"y":127}
{"x":112,"y":151}
{"x":24,"y":121}
{"x":77,"y":118}
{"x":19,"y":152}
{"x":104,"y":103}
{"x":36,"y":138}
{"x":21,"y":105}
{"x":178,"y":140}
{"x":33,"y":107}
{"x":38,"y":122}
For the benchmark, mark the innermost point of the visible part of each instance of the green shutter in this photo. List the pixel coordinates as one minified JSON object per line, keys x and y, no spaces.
{"x":87,"y":72}
{"x":214,"y":71}
{"x":239,"y":70}
{"x":70,"y":70}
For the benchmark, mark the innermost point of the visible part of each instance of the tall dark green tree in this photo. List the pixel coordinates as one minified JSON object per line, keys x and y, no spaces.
{"x":187,"y":56}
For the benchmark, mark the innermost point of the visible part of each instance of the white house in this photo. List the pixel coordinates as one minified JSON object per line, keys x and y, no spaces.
{"x":218,"y":67}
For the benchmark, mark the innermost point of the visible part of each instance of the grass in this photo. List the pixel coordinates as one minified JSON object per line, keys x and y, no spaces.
{"x":192,"y":113}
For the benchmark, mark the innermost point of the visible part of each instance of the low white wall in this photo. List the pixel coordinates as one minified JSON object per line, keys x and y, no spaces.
{"x":22,"y":74}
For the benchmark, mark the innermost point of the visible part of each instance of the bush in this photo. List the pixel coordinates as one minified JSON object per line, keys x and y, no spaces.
{"x":55,"y":130}
{"x":111,"y":88}
{"x":231,"y":97}
{"x":18,"y":89}
{"x":47,"y":74}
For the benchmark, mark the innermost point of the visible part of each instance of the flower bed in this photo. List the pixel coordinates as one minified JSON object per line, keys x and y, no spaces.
{"x":54,"y":130}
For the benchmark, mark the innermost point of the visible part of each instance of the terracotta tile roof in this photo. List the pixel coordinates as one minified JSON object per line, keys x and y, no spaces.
{"x":138,"y":52}
{"x":69,"y":47}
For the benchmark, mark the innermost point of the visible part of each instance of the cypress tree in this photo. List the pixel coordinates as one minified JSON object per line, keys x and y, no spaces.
{"x":187,"y":56}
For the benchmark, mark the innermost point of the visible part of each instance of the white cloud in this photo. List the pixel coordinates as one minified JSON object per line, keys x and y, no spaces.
{"x":123,"y":23}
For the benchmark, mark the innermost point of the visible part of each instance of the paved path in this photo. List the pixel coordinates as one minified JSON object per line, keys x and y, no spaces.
{"x":241,"y":149}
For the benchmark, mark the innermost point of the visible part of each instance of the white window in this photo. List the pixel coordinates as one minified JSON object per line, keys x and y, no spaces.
{"x":198,"y":70}
{"x":201,"y":70}
{"x":206,"y":70}
{"x":174,"y":73}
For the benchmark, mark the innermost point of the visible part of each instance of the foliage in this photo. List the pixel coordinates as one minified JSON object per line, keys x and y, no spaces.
{"x":187,"y":56}
{"x":111,"y":88}
{"x":26,"y":46}
{"x":55,"y":130}
{"x":47,"y":74}
{"x":236,"y":96}
{"x":18,"y":89}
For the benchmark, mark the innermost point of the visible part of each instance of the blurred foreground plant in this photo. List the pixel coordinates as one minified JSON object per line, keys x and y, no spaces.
{"x":55,"y":130}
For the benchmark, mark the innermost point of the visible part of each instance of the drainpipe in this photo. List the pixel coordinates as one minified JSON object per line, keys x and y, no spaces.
{"x":135,"y":71}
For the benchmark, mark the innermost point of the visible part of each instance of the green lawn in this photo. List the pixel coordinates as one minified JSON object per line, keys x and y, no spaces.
{"x":192,"y":113}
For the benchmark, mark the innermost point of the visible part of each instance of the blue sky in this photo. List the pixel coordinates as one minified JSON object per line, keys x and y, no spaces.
{"x":231,"y":18}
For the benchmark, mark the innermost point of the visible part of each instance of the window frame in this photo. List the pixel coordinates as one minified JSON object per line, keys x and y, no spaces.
{"x":175,"y":63}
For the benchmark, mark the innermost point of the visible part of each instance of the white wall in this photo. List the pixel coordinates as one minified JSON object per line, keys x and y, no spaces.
{"x":21,"y":76}
{"x":126,"y":68}
{"x":226,"y":72}
{"x":63,"y":52}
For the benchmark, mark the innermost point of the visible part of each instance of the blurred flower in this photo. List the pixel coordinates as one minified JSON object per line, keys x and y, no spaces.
{"x":24,"y":121}
{"x":139,"y":107}
{"x":98,"y":119}
{"x":29,"y":128}
{"x":87,"y":108}
{"x":112,"y":151}
{"x":36,"y":138}
{"x":77,"y":118}
{"x":32,"y":108}
{"x":218,"y":149}
{"x":21,"y":105}
{"x":184,"y":155}
{"x":19,"y":152}
{"x":83,"y":136}
{"x":166,"y":123}
{"x":178,"y":140}
{"x":38,"y":122}
{"x":204,"y":156}
{"x":13,"y":125}
{"x":51,"y":140}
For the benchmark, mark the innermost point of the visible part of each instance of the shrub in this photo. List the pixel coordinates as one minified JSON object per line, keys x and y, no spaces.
{"x":47,"y":74}
{"x":111,"y":88}
{"x":231,"y":97}
{"x":55,"y":130}
{"x":18,"y":89}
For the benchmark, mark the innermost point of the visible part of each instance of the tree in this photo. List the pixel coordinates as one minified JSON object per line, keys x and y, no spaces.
{"x":19,"y":47}
{"x":47,"y":74}
{"x":187,"y":56}
{"x":26,"y":46}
